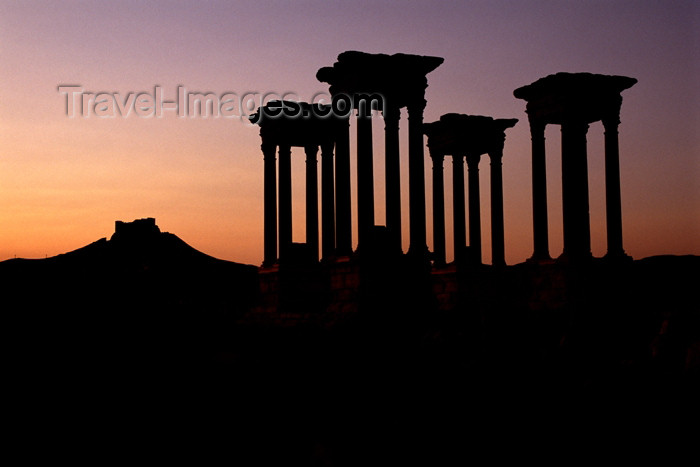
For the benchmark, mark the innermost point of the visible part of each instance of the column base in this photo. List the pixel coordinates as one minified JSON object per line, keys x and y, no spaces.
{"x":540,"y":259}
{"x":418,"y":252}
{"x":467,"y":256}
{"x":269,"y":266}
{"x":437,"y":263}
{"x":336,"y":259}
{"x":580,"y":258}
{"x":377,"y":244}
{"x":617,"y":257}
{"x":418,"y":257}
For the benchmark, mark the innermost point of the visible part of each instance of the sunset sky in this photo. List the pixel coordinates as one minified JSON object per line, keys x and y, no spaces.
{"x":64,"y":181}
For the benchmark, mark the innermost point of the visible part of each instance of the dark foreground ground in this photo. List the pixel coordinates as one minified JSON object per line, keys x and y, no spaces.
{"x":148,"y":350}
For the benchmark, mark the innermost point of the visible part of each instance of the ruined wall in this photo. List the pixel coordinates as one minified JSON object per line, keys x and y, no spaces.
{"x":632,"y":318}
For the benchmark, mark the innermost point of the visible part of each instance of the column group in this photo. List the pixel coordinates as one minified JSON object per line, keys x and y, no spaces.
{"x":370,"y":83}
{"x":467,"y":137}
{"x":573,"y":101}
{"x":280,"y":132}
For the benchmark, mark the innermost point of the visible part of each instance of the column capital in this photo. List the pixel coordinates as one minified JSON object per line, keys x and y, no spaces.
{"x":415,"y":106}
{"x":473,"y":161}
{"x":575,"y":124}
{"x":327,"y":149}
{"x":496,"y":156}
{"x":611,"y":120}
{"x":342,"y":121}
{"x":611,"y":111}
{"x":268,"y":150}
{"x":363,"y":112}
{"x":537,"y":125}
{"x":311,"y":151}
{"x":436,"y":156}
{"x":391,"y":114}
{"x":498,"y":142}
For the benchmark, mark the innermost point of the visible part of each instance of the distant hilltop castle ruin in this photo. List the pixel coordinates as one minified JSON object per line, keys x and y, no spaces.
{"x":142,"y":228}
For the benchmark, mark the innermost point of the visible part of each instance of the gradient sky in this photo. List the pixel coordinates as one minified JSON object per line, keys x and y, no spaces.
{"x":64,"y":181}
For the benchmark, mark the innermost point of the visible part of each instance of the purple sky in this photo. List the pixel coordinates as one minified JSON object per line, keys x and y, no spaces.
{"x":64,"y":181}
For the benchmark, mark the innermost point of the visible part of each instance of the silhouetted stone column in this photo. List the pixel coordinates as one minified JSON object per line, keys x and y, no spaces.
{"x":574,"y":100}
{"x":474,"y":206}
{"x":416,"y":179}
{"x":438,"y":210}
{"x":285,"y":199}
{"x":576,"y":218}
{"x":497,"y":237}
{"x":539,"y":192}
{"x":613,"y":202}
{"x":343,"y":199}
{"x":459,"y":221}
{"x":393,"y":175}
{"x":365,"y":175}
{"x":270,"y":207}
{"x":312,"y":200}
{"x":327,"y":202}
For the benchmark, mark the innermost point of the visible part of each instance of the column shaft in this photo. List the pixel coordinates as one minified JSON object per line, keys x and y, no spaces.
{"x":613,"y":202}
{"x":576,"y":218}
{"x":312,"y":200}
{"x":474,"y":207}
{"x":270,"y":205}
{"x":327,"y":202}
{"x":393,"y":176}
{"x":343,"y":199}
{"x":459,"y":221}
{"x":416,"y":179}
{"x":539,"y":192}
{"x":438,"y":210}
{"x":285,"y":200}
{"x":497,"y":236}
{"x":365,"y":176}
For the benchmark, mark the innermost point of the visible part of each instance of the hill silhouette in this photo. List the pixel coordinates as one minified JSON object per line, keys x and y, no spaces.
{"x":140,"y":297}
